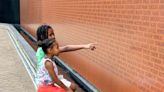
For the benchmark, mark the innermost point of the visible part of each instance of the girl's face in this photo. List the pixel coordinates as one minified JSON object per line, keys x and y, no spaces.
{"x":54,"y":49}
{"x":51,"y":33}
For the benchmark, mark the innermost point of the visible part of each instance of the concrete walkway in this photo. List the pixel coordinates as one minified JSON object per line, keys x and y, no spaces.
{"x":13,"y":75}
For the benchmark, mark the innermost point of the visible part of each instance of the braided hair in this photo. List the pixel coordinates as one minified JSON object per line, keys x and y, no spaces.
{"x":46,"y":43}
{"x":42,"y":32}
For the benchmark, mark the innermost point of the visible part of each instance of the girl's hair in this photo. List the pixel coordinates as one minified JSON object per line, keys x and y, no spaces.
{"x":45,"y":44}
{"x":42,"y":32}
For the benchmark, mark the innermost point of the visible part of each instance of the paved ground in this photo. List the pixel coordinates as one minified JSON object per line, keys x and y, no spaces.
{"x":13,"y":75}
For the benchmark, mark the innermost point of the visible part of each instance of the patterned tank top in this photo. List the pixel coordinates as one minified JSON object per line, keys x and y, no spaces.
{"x":42,"y":76}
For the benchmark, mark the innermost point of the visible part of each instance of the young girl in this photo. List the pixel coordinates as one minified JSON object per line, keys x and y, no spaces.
{"x":46,"y":32}
{"x":48,"y":72}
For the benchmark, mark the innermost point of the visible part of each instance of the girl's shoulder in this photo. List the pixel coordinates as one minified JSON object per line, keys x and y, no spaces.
{"x":39,"y":51}
{"x":40,"y":54}
{"x":46,"y":59}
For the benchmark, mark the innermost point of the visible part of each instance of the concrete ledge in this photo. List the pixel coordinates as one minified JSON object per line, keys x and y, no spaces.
{"x":24,"y":50}
{"x":14,"y":77}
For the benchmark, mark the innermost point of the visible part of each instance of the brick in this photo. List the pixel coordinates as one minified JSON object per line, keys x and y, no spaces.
{"x":146,"y":1}
{"x":154,"y":71}
{"x":160,"y":79}
{"x":154,"y":1}
{"x":161,"y":13}
{"x":146,"y":18}
{"x":145,"y":51}
{"x":160,"y":31}
{"x":154,"y":7}
{"x":160,"y":25}
{"x":159,"y":43}
{"x":155,"y":89}
{"x":154,"y":19}
{"x":161,"y":74}
{"x":146,"y":12}
{"x":154,"y":54}
{"x":157,"y":37}
{"x":161,"y":6}
{"x":161,"y":1}
{"x":161,"y":56}
{"x":155,"y":60}
{"x":161,"y":50}
{"x":155,"y":13}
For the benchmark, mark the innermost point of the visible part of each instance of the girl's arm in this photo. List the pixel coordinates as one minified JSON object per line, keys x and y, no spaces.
{"x":49,"y":66}
{"x":76,"y":47}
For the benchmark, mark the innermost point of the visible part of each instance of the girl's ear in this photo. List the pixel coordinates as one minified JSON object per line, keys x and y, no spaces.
{"x":49,"y":50}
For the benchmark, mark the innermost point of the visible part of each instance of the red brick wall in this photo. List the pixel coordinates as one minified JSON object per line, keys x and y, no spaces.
{"x":130,"y":36}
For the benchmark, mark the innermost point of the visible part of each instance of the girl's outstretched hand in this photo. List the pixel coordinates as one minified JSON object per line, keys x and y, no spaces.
{"x":90,"y":46}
